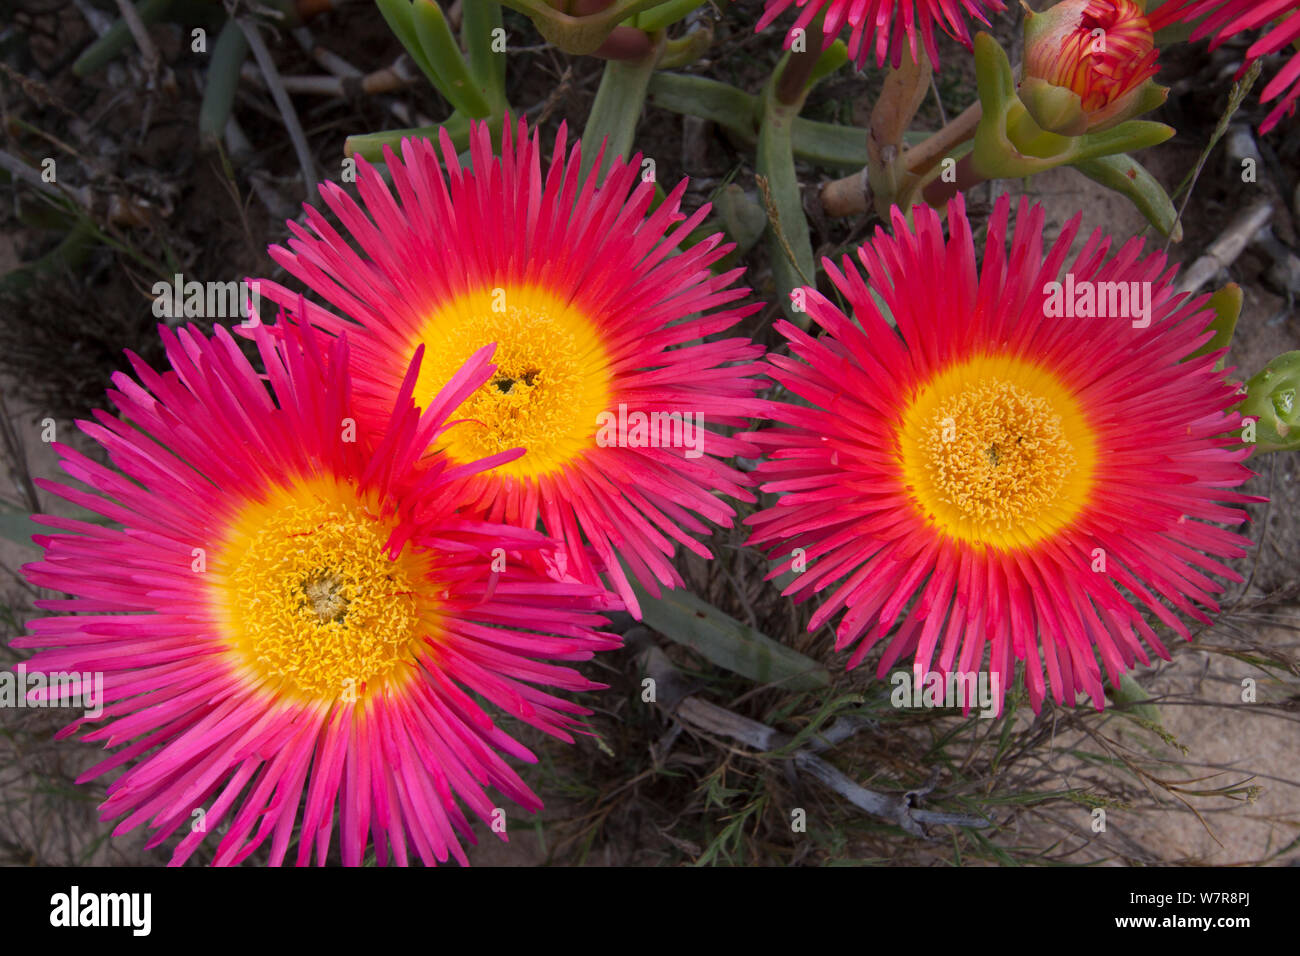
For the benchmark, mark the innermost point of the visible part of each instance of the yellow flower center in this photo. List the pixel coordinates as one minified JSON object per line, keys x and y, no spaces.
{"x":314,"y":605}
{"x":996,"y":451}
{"x":551,"y":382}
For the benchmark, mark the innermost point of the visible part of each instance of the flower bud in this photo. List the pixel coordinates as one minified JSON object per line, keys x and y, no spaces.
{"x":1272,"y":405}
{"x":1088,"y":66}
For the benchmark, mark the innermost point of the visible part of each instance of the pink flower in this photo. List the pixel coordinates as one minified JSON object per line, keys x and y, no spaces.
{"x":1227,"y":18}
{"x":273,"y":623}
{"x":884,"y":23}
{"x":1010,"y":470}
{"x":1088,"y":65}
{"x":608,"y":375}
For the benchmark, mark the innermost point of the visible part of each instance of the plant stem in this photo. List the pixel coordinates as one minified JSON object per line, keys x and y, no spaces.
{"x":922,"y":157}
{"x":479,"y":19}
{"x":937,"y":192}
{"x":1235,"y":97}
{"x":790,"y":241}
{"x":228,"y":55}
{"x":617,"y":110}
{"x":738,"y":112}
{"x":371,"y":145}
{"x":118,"y":36}
{"x":791,"y":84}
{"x":846,"y":197}
{"x":905,"y":89}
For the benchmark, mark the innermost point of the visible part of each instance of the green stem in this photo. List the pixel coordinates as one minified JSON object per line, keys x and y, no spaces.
{"x":228,"y":55}
{"x":1130,"y":178}
{"x":1235,"y":98}
{"x":579,"y":35}
{"x":480,"y":19}
{"x":400,"y":17}
{"x":668,"y":13}
{"x":738,"y":112}
{"x":617,"y":109}
{"x":371,"y":145}
{"x":795,"y":76}
{"x":458,"y":84}
{"x":684,"y":50}
{"x":117,"y":38}
{"x":789,"y":239}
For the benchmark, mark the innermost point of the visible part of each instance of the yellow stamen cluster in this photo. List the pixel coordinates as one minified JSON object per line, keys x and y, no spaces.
{"x":551,"y":382}
{"x":996,"y":451}
{"x":316,"y":606}
{"x":997,"y":454}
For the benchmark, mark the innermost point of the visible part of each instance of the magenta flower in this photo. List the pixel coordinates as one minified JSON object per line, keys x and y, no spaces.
{"x":277,"y":632}
{"x":608,"y":374}
{"x":882,"y":24}
{"x":1227,"y":18}
{"x":1015,"y":469}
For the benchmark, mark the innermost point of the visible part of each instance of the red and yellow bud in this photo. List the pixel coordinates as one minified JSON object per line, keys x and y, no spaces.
{"x":1088,"y":65}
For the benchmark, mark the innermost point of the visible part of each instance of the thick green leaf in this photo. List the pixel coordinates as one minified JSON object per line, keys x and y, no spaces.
{"x":480,"y":20}
{"x":371,"y":145}
{"x":789,"y":238}
{"x":228,"y":56}
{"x":400,"y":18}
{"x":666,"y":14}
{"x":617,"y":110}
{"x":1129,"y":178}
{"x":118,"y":37}
{"x":1226,"y":304}
{"x":1131,"y":694}
{"x":721,"y":639}
{"x":441,"y":51}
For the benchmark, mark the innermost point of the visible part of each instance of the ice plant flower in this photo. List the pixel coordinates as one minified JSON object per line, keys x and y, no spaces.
{"x":606,"y":374}
{"x":1000,"y":477}
{"x":1088,"y":65}
{"x":882,"y":24}
{"x":1011,"y":142}
{"x":275,"y":631}
{"x":1227,"y":18}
